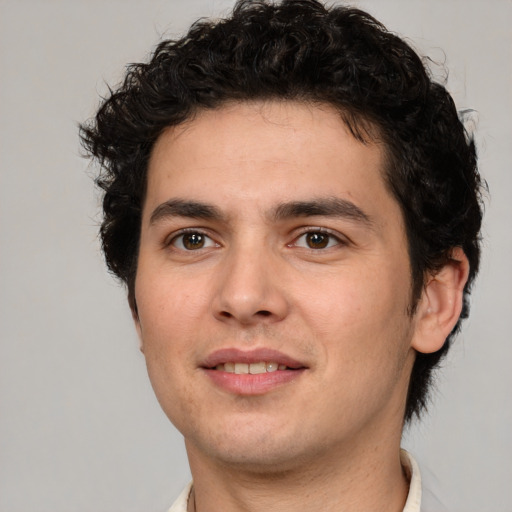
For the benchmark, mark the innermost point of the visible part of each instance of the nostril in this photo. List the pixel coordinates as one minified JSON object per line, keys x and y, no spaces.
{"x":249,"y":318}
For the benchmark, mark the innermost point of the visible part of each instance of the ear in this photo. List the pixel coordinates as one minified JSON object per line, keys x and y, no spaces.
{"x":136,"y":321}
{"x":441,"y":303}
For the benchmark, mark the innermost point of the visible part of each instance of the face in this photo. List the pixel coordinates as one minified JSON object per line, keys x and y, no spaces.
{"x":273,"y":286}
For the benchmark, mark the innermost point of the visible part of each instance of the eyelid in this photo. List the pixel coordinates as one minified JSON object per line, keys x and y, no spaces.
{"x":170,"y":239}
{"x":340,"y":239}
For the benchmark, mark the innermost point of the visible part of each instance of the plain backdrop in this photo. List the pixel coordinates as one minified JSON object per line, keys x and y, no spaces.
{"x":80,"y":429}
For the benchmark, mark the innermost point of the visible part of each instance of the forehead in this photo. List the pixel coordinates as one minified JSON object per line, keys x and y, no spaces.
{"x":262,"y":152}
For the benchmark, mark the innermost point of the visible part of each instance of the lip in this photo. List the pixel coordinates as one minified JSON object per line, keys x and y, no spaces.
{"x":228,"y":355}
{"x":251,"y":384}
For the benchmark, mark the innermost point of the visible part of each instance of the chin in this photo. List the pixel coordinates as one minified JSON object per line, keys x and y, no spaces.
{"x":260,"y":460}
{"x":272,"y":450}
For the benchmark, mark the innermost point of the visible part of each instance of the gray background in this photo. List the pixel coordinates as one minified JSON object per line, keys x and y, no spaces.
{"x":80,"y":429}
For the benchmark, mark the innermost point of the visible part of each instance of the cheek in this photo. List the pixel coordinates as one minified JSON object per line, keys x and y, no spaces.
{"x":172,"y":313}
{"x":166,"y":333}
{"x":360,"y":314}
{"x":351,"y":296}
{"x":168,"y":308}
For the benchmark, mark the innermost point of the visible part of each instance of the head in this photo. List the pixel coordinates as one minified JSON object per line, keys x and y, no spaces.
{"x":300,"y":51}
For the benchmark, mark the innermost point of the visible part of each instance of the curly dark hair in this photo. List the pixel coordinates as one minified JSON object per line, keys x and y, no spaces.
{"x":301,"y":50}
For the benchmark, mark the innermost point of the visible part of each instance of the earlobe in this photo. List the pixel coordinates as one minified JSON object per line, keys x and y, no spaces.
{"x":138,"y":327}
{"x":441,"y":303}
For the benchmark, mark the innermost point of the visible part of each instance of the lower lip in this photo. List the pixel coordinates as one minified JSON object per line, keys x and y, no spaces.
{"x":249,"y":384}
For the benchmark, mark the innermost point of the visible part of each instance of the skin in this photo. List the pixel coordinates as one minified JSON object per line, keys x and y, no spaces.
{"x":328,"y":438}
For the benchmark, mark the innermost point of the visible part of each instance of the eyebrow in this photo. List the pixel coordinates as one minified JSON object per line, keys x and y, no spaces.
{"x":324,"y":207}
{"x":182,"y":208}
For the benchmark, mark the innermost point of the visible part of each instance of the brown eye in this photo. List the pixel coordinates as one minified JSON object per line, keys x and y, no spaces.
{"x":317,"y":240}
{"x":192,"y":241}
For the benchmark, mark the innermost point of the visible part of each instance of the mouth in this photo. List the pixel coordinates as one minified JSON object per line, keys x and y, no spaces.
{"x":254,"y":372}
{"x":256,"y":361}
{"x":252,"y":368}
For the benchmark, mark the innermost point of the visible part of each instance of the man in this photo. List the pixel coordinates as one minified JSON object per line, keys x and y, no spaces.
{"x":294,"y":207}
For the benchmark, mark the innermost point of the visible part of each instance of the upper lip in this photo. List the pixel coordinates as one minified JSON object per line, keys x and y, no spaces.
{"x":235,"y":355}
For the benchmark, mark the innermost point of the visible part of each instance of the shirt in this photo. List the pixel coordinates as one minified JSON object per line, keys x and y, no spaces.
{"x":412,"y":504}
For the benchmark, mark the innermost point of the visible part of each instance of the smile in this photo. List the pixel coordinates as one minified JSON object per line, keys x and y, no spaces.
{"x":253,"y":372}
{"x":251,"y":368}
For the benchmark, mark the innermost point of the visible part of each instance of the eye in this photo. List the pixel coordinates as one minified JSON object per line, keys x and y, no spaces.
{"x":316,"y":240}
{"x":192,"y":241}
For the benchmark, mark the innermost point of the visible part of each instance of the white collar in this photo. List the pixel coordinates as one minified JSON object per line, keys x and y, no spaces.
{"x":412,"y":471}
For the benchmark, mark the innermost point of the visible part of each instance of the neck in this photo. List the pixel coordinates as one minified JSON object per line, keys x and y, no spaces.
{"x":351,"y":481}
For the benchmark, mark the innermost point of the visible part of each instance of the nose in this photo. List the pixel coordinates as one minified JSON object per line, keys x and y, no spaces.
{"x":249,"y":289}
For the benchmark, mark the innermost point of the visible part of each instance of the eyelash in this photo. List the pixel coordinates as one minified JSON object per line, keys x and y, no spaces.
{"x":331,"y":237}
{"x":179,"y":237}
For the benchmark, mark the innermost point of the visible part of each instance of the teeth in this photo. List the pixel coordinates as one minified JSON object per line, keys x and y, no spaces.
{"x":252,"y":368}
{"x":271,"y":367}
{"x":255,"y":368}
{"x":241,"y":368}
